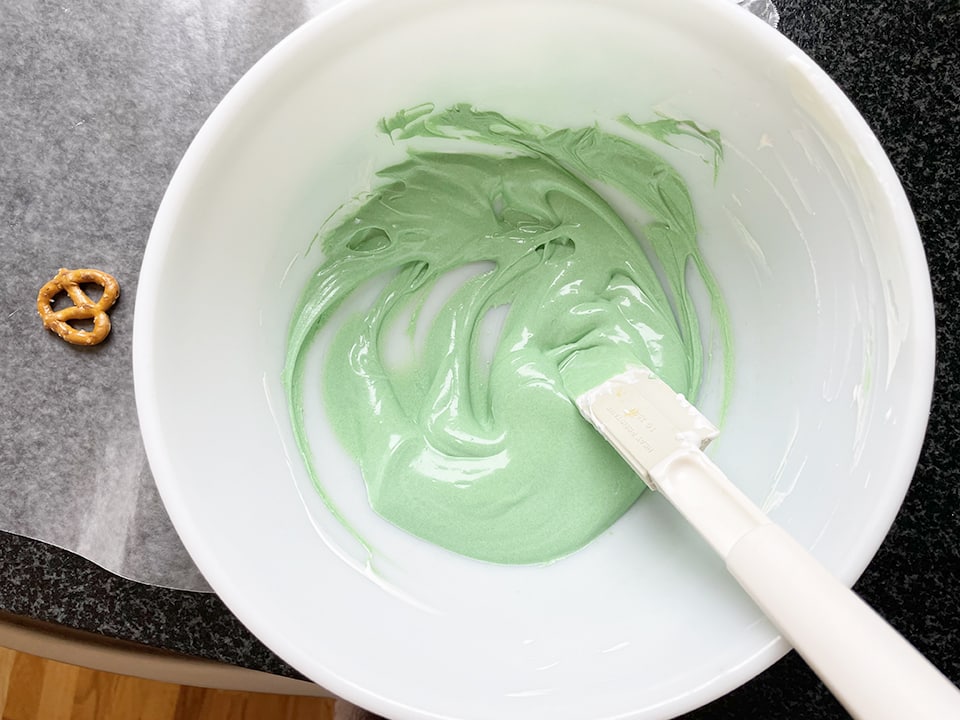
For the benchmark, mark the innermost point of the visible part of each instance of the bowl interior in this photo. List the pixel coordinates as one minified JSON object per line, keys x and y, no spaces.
{"x":805,"y":227}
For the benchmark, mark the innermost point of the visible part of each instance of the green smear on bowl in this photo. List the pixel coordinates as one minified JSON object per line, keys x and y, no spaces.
{"x":481,"y":452}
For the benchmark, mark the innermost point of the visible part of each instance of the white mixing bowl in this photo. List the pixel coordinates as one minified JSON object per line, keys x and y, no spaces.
{"x":806,"y":228}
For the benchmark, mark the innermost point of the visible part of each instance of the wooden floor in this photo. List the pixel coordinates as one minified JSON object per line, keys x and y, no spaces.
{"x":32,"y":688}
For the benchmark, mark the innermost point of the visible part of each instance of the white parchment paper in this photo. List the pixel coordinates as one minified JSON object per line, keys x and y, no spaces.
{"x":98,"y":101}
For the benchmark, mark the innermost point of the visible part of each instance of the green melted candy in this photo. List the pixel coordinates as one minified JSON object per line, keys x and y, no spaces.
{"x":489,"y":457}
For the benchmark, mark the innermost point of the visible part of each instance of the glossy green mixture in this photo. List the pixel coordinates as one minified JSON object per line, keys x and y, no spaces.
{"x":488,"y":456}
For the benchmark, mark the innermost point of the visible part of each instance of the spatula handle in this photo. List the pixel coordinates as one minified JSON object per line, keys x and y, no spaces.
{"x":868,"y":666}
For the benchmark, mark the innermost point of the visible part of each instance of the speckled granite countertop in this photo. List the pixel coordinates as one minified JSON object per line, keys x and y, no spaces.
{"x":899,"y":64}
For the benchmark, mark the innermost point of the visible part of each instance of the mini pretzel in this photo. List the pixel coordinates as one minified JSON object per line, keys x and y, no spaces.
{"x":83,"y":307}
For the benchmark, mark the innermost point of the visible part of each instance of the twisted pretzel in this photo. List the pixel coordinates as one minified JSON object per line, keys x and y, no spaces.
{"x":83,"y":307}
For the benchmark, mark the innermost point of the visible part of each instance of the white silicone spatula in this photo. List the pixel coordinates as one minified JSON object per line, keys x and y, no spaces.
{"x":868,"y":666}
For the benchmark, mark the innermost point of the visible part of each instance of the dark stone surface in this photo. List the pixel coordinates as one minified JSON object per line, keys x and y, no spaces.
{"x":46,"y":583}
{"x":898,"y":62}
